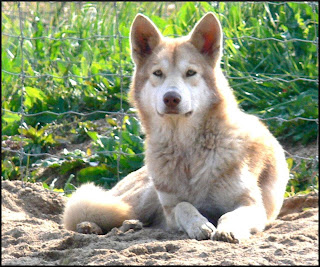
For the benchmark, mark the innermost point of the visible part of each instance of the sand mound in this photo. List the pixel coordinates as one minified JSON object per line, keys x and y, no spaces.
{"x":32,"y":234}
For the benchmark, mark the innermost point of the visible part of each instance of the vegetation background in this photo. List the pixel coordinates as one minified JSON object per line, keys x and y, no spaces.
{"x":66,"y":71}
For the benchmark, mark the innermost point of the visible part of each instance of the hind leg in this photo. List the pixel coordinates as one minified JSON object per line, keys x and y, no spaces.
{"x":89,"y":228}
{"x":92,"y":209}
{"x":138,"y":191}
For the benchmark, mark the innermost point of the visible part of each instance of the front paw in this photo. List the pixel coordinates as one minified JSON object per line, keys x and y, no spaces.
{"x":202,"y":231}
{"x":238,"y":225}
{"x":224,"y":236}
{"x":230,"y":233}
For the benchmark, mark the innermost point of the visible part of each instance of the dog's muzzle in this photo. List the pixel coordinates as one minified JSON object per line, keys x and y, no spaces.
{"x":172,"y":101}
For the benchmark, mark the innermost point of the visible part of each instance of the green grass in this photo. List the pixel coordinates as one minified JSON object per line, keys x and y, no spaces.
{"x":85,"y":49}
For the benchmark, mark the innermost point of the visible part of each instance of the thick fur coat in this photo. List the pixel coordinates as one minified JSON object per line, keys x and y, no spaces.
{"x":211,"y":170}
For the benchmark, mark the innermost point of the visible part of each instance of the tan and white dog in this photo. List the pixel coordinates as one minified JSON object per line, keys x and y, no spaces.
{"x":211,"y":170}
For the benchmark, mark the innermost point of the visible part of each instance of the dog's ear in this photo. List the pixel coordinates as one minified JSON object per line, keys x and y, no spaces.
{"x":144,"y":37}
{"x":206,"y":36}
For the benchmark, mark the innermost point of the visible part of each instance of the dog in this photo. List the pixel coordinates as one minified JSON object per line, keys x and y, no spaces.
{"x":211,"y":170}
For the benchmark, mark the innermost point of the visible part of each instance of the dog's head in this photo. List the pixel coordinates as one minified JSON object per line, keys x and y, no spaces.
{"x":175,"y":77}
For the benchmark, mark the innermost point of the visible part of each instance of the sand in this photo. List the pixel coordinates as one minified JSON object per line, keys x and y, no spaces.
{"x":32,"y":234}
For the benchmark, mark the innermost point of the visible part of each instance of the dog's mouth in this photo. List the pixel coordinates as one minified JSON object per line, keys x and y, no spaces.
{"x":175,"y":113}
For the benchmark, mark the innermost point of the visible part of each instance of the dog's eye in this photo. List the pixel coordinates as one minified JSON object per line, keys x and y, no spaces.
{"x":158,"y":73}
{"x":191,"y":73}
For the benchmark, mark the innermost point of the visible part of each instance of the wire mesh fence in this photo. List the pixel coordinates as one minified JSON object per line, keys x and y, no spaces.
{"x":66,"y":66}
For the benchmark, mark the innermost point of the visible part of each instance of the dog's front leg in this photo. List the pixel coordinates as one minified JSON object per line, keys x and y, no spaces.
{"x":185,"y":217}
{"x":189,"y":219}
{"x":240,"y":223}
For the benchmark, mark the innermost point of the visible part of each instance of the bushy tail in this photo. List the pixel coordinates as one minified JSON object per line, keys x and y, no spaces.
{"x":94,"y":204}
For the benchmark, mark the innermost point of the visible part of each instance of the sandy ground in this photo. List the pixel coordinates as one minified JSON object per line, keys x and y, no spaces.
{"x":33,"y":235}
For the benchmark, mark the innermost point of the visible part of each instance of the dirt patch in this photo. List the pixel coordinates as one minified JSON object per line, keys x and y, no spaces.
{"x":32,"y":234}
{"x":306,"y":151}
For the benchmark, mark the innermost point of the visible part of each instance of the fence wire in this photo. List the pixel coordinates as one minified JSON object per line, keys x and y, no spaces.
{"x":20,"y":11}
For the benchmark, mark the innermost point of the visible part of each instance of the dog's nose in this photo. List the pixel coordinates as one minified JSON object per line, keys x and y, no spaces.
{"x":171,"y":99}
